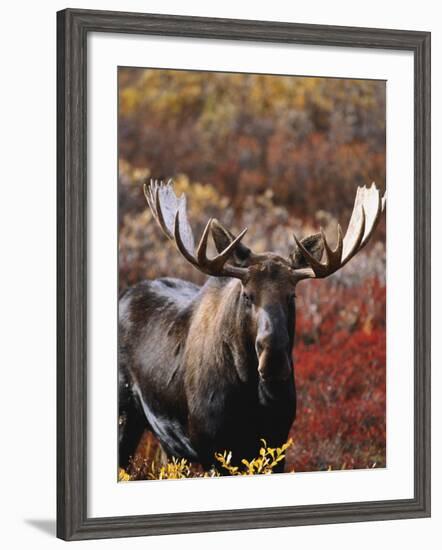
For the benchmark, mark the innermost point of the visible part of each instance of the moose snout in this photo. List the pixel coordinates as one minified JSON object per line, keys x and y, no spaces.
{"x":272,"y":345}
{"x":271,"y":342}
{"x":272,"y":329}
{"x":274,"y":365}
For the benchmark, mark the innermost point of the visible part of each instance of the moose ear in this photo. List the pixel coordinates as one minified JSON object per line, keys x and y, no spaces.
{"x":313,"y":244}
{"x":222,"y":237}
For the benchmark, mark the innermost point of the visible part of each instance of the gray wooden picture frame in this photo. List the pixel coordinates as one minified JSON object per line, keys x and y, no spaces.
{"x":73,"y":27}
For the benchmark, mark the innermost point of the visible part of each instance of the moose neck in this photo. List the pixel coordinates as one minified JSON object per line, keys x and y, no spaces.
{"x":232,"y":330}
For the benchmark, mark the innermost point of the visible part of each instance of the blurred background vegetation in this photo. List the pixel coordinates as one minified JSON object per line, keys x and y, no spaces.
{"x":276,"y":154}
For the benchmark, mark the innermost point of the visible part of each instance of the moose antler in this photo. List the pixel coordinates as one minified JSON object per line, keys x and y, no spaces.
{"x":170,"y":213}
{"x":367,"y":209}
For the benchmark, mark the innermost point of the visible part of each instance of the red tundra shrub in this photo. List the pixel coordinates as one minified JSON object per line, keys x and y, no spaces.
{"x":340,"y":378}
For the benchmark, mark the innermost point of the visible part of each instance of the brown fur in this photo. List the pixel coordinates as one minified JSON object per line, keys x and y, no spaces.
{"x":209,"y":368}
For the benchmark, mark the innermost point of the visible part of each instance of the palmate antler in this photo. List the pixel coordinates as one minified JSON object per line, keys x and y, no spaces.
{"x":170,"y":213}
{"x":367,"y":210}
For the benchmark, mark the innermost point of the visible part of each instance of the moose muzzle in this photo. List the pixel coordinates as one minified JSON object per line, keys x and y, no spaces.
{"x":272,"y":344}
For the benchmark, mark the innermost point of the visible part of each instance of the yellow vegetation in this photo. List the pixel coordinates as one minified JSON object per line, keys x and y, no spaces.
{"x":175,"y":468}
{"x":263,"y":464}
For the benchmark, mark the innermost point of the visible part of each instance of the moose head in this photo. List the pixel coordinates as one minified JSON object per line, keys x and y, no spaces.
{"x":264,"y":307}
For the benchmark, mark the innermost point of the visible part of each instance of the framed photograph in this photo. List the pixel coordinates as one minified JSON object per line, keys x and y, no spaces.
{"x":243,"y":314}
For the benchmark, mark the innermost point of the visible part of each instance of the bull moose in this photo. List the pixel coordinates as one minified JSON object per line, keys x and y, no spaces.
{"x":210,"y":368}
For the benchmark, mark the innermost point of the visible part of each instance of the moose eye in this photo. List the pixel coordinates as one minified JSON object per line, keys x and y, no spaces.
{"x":249,"y":298}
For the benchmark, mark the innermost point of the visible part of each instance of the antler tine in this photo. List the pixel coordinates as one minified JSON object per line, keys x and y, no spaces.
{"x":159,"y":212}
{"x":317,"y":267}
{"x":201,"y":251}
{"x":373,"y":206}
{"x":152,"y":195}
{"x":148,"y":193}
{"x":220,"y":259}
{"x":367,"y":209}
{"x":170,"y":213}
{"x":333,"y":257}
{"x":211,"y":266}
{"x":356,"y":243}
